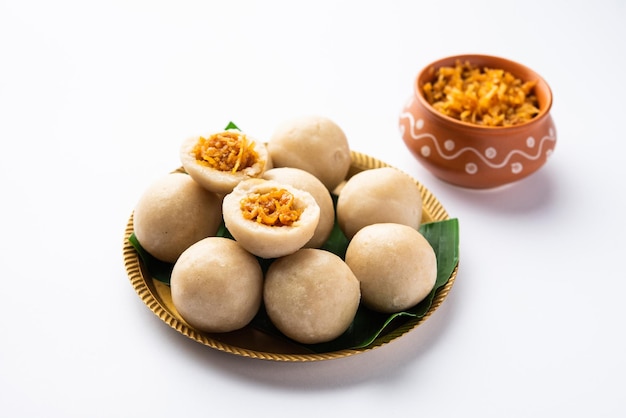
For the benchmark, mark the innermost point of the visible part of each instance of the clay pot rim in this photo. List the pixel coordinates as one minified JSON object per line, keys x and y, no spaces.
{"x":517,"y":69}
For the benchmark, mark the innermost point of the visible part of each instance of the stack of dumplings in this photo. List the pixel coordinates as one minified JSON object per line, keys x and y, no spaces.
{"x":275,"y":199}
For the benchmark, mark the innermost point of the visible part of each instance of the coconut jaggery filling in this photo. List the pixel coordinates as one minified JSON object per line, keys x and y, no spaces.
{"x":274,"y":208}
{"x":482,"y":96}
{"x":228,"y":151}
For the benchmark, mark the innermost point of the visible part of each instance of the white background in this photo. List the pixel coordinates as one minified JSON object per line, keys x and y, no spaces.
{"x":95,"y":98}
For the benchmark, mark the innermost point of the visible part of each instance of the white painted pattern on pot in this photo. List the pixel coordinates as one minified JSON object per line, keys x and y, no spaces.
{"x":487,"y":158}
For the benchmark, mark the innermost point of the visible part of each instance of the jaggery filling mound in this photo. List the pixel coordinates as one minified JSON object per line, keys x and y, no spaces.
{"x":482,"y":96}
{"x":274,"y":208}
{"x":226,"y":151}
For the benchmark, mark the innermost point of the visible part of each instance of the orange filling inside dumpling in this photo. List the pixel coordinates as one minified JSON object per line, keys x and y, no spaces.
{"x":229,"y":151}
{"x":273,"y":208}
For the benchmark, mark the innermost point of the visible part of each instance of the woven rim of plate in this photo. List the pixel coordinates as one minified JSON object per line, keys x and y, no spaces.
{"x":138,"y":280}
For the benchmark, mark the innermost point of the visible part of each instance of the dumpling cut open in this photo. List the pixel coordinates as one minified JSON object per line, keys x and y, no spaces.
{"x":270,"y":219}
{"x":220,"y":161}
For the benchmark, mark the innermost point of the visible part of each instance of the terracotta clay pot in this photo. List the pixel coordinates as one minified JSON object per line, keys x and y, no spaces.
{"x":471,"y":155}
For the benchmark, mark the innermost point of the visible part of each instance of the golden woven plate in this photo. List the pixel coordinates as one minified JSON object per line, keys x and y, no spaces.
{"x":249,"y":342}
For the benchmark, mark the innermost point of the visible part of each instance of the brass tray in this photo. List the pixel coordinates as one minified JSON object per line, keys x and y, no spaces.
{"x":249,"y":342}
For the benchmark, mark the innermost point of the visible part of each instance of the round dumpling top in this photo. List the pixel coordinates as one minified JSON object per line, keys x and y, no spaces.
{"x":311,"y":296}
{"x":377,"y":196}
{"x":216,"y":285}
{"x":306,"y":181}
{"x":395,"y":264}
{"x":220,"y":161}
{"x":270,"y":219}
{"x":312,"y":143}
{"x":173,"y":213}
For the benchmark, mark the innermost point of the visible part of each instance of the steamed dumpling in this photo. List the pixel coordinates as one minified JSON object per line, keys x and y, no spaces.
{"x":311,"y":296}
{"x":173,"y":213}
{"x":396,"y":265}
{"x":221,"y":160}
{"x":216,"y":285}
{"x":270,"y":219}
{"x":379,"y":195}
{"x":306,"y":181}
{"x":312,"y":143}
